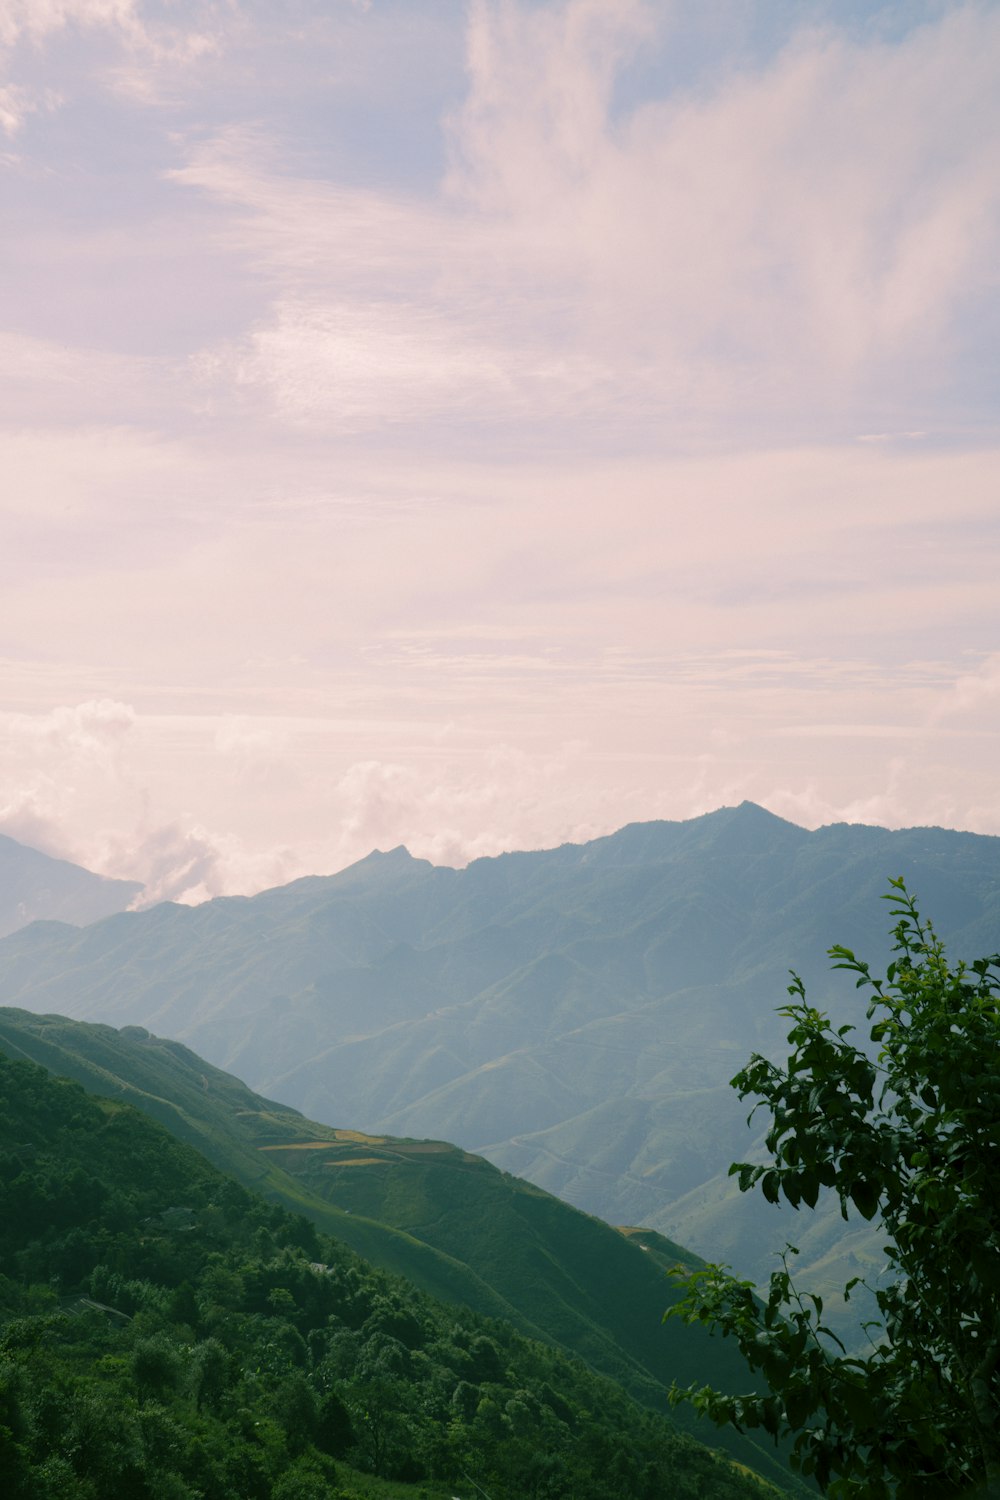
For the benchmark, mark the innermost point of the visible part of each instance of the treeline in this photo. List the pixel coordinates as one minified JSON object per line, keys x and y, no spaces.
{"x":166,"y":1335}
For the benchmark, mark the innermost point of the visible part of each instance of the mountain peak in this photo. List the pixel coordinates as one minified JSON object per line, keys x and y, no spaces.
{"x":747,"y":811}
{"x":382,"y":865}
{"x":400,"y":855}
{"x":750,"y":821}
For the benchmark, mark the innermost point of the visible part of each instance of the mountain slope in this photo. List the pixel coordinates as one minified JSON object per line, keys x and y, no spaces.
{"x":451,"y":1223}
{"x":165,"y":1333}
{"x":35,"y":887}
{"x":227,"y":1123}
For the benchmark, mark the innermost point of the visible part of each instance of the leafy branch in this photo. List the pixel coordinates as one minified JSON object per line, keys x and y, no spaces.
{"x":909,"y":1137}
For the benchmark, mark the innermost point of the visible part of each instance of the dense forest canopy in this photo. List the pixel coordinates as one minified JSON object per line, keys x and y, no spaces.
{"x":167,"y":1335}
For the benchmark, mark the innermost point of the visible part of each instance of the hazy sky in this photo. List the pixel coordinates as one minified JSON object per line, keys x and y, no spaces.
{"x":482,"y":425}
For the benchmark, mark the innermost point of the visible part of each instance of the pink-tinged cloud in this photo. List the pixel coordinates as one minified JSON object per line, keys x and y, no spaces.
{"x":782,"y":249}
{"x":475,"y":427}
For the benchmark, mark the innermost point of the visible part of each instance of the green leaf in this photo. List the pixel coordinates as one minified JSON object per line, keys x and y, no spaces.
{"x":857,"y":1403}
{"x":865,"y":1197}
{"x":769,"y":1186}
{"x":809,"y":1187}
{"x":799,"y":1403}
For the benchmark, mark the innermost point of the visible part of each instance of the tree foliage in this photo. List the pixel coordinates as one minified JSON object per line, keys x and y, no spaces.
{"x":905,"y":1132}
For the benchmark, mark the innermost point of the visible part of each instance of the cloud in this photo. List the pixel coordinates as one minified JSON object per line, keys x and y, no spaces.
{"x":173,"y":863}
{"x":446,"y":808}
{"x":75,"y":784}
{"x":48,"y":760}
{"x":33,"y":20}
{"x":259,"y":755}
{"x":453,"y":809}
{"x":147,"y":47}
{"x":831,"y":203}
{"x":352,"y":367}
{"x":180,"y":859}
{"x":907,"y":798}
{"x":27,"y":814}
{"x":785,"y":242}
{"x":974,"y":696}
{"x":244,"y":801}
{"x":535,"y":124}
{"x":96,"y":730}
{"x":17,"y":102}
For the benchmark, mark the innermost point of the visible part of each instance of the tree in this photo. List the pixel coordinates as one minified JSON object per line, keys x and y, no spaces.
{"x":907,"y":1133}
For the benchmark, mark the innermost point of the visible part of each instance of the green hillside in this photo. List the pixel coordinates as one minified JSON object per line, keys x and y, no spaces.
{"x":166,"y":1335}
{"x":227,"y":1122}
{"x":450,"y":1222}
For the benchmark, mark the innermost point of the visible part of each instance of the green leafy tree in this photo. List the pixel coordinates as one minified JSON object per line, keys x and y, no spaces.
{"x":334,"y":1429}
{"x":209,"y":1366}
{"x":156,"y":1366}
{"x":907,"y":1133}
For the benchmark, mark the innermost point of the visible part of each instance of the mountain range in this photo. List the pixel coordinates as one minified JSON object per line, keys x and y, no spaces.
{"x":573,"y":1015}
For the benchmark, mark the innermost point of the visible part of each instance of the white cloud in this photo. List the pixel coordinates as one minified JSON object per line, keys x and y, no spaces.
{"x":174,"y":863}
{"x":31,"y":815}
{"x":18,"y":102}
{"x":974,"y":696}
{"x":350,"y":366}
{"x":451,"y":811}
{"x":96,"y":730}
{"x":74,"y":782}
{"x":51,"y":762}
{"x":535,"y":126}
{"x":830,"y":207}
{"x":147,"y":48}
{"x":787,"y":242}
{"x":33,"y":20}
{"x":907,"y":794}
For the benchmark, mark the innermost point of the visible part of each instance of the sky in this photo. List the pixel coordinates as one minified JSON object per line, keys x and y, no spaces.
{"x":480,"y":426}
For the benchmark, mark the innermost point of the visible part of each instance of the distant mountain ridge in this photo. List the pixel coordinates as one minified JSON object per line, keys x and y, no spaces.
{"x":35,"y":887}
{"x":573,"y":1014}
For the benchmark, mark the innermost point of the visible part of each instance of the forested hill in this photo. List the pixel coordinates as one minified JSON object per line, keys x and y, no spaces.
{"x":166,"y":1335}
{"x":448,"y":1221}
